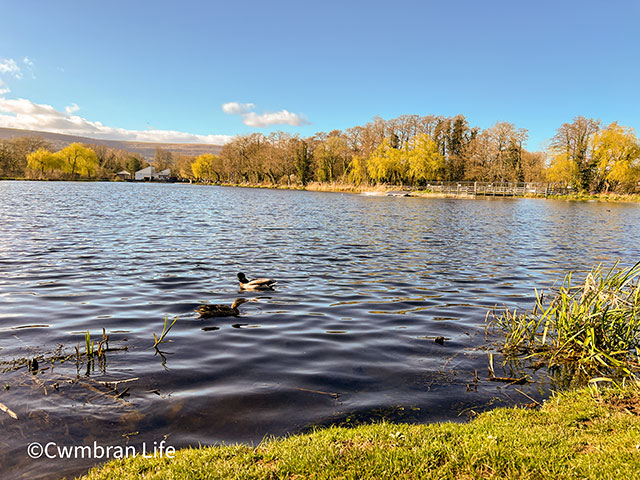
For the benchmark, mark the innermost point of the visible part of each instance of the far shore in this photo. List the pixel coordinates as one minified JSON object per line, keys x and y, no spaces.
{"x":377,"y":190}
{"x":401,"y":190}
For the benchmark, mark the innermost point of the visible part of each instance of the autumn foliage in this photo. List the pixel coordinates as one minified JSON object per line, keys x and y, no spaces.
{"x":409,"y":150}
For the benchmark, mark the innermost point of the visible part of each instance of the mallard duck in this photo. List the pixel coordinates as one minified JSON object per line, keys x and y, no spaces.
{"x":207,"y":311}
{"x":257,"y":284}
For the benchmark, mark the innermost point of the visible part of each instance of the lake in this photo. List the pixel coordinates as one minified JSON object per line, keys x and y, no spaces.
{"x":365,"y":284}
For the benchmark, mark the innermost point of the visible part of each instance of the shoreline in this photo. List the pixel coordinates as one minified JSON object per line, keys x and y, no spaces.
{"x":387,"y":190}
{"x":375,"y":190}
{"x":568,"y":436}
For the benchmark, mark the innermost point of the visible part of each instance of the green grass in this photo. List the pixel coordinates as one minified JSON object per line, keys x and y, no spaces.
{"x":580,"y":434}
{"x":599,"y":197}
{"x":589,"y":330}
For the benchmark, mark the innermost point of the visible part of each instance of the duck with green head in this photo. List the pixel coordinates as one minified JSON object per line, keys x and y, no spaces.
{"x":256,"y":284}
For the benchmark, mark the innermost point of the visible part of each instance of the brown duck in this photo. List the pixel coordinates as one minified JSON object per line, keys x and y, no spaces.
{"x":208,"y":311}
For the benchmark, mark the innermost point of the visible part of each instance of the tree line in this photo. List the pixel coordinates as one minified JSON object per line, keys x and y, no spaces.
{"x":408,"y":150}
{"x":33,"y":157}
{"x":414,"y":150}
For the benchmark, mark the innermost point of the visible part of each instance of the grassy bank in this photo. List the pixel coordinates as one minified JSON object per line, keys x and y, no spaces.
{"x":314,"y":187}
{"x":383,"y":189}
{"x":599,"y":197}
{"x":581,"y":434}
{"x":579,"y":197}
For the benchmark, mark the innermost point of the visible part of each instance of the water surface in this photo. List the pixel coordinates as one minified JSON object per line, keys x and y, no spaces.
{"x":365,"y":284}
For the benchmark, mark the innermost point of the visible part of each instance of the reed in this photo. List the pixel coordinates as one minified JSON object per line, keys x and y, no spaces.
{"x":165,"y":331}
{"x":590,"y":329}
{"x":88,"y":345}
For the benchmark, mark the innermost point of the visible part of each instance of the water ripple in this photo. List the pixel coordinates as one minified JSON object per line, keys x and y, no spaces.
{"x":365,"y":285}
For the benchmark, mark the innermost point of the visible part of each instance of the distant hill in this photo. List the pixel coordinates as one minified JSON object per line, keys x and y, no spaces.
{"x":147,"y":150}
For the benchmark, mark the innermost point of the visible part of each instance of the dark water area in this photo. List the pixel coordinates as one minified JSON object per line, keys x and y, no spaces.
{"x":365,"y":284}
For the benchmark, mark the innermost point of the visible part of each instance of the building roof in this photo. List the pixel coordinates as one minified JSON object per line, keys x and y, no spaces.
{"x":149,"y":170}
{"x":123,"y":172}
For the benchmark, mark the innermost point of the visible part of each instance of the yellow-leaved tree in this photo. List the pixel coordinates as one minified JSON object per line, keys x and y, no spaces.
{"x":387,"y":164}
{"x":358,"y":170}
{"x":203,"y":167}
{"x":562,"y":169}
{"x":425,"y":160}
{"x":616,"y":153}
{"x":43,"y":160}
{"x":77,"y":159}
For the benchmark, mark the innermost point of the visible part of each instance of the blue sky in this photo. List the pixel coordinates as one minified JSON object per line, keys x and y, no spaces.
{"x":158,"y":70}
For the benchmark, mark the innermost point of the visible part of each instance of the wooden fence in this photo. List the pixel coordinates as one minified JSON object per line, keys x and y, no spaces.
{"x":495,"y":189}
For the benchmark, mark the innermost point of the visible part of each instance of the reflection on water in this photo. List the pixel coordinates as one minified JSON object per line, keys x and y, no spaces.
{"x":365,"y":286}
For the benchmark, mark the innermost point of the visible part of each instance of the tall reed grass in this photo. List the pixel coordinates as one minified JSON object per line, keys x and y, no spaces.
{"x":590,"y":329}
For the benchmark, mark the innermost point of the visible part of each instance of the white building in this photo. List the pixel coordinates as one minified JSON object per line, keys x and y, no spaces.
{"x":164,"y":174}
{"x":150,"y":173}
{"x":146,"y":173}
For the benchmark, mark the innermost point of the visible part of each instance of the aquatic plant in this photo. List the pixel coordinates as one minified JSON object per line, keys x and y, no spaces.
{"x":165,"y":331}
{"x":88,"y":348}
{"x":590,"y":329}
{"x":93,"y":349}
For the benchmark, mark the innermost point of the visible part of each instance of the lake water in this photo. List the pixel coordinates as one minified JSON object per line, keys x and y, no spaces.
{"x":364,"y":285}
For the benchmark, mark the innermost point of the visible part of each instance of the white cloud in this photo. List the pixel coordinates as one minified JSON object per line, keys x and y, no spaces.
{"x":282,"y":117}
{"x":9,"y":65}
{"x":24,"y":114}
{"x":253,"y":119}
{"x":235,"y":108}
{"x":73,"y":108}
{"x":29,"y":66}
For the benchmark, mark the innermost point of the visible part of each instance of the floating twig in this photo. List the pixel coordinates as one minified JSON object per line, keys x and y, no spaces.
{"x":38,"y":382}
{"x":529,"y":397}
{"x":110,"y":395}
{"x":473,"y":387}
{"x":8,"y":411}
{"x":334,"y":395}
{"x":510,"y":380}
{"x":114,"y":383}
{"x":122,"y":393}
